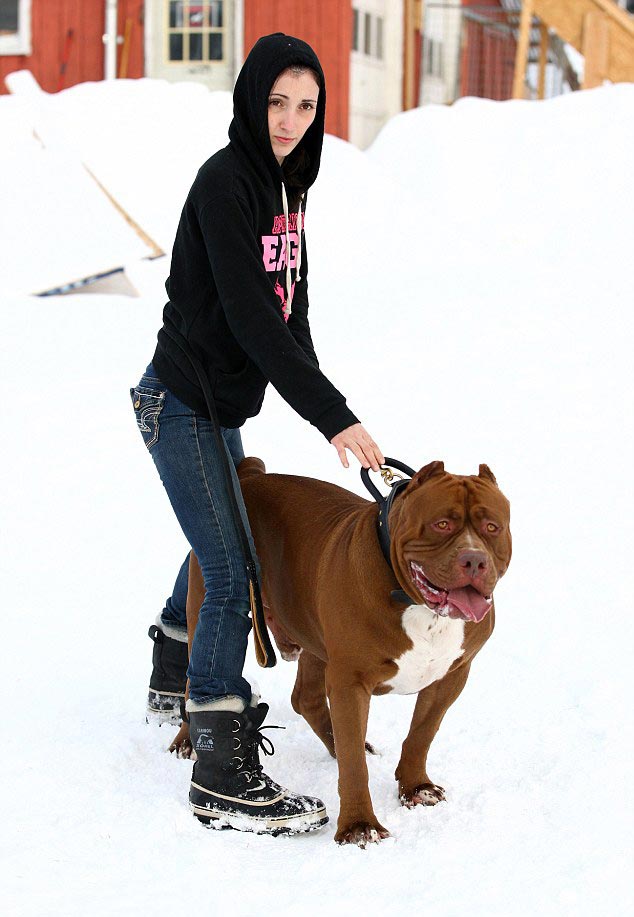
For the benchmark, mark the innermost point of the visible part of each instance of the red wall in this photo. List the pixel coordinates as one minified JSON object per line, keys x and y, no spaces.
{"x":488,"y":57}
{"x":83,"y":52}
{"x":327,"y":27}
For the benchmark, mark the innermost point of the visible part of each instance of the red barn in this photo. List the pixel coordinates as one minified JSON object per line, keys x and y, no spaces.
{"x":369,"y":49}
{"x":61,"y":41}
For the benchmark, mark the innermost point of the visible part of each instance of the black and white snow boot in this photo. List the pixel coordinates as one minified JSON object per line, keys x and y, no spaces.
{"x":229,"y":787}
{"x":168,"y":679}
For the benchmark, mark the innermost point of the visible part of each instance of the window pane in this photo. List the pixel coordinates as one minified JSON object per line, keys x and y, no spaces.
{"x":195,"y":46}
{"x":215,"y":46}
{"x":8,"y":16}
{"x":176,"y":46}
{"x":379,"y":38}
{"x":355,"y":30}
{"x":215,"y":12}
{"x":197,"y":16}
{"x":176,"y":14}
{"x":367,"y":43}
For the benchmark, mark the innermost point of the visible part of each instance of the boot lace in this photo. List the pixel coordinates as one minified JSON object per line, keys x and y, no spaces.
{"x":250,"y":766}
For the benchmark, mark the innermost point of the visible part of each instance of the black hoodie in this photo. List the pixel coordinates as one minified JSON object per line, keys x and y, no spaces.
{"x":227,"y":286}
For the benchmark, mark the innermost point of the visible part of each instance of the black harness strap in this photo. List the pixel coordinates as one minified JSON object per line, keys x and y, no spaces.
{"x":382,"y":524}
{"x":264,"y":652}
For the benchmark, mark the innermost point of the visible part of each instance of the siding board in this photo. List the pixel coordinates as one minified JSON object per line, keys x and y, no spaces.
{"x":50,"y":23}
{"x":327,"y":27}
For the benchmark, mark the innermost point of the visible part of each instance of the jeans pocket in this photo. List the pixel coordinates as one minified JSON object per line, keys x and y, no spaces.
{"x":148,"y":404}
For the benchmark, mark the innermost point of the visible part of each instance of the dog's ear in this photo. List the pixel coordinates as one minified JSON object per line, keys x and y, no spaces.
{"x":429,"y":471}
{"x":485,"y":472}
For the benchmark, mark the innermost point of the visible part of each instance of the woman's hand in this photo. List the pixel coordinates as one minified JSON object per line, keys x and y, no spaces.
{"x":358,"y":440}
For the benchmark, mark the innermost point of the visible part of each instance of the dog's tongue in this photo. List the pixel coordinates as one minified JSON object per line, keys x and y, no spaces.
{"x":471,"y":604}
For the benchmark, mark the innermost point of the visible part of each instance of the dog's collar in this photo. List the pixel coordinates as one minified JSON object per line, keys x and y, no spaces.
{"x":382,"y":523}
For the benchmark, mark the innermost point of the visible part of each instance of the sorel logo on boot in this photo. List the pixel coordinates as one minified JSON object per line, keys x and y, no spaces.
{"x":204,"y":742}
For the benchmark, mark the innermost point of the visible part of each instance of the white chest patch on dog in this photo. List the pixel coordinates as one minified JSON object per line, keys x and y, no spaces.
{"x":437,"y":643}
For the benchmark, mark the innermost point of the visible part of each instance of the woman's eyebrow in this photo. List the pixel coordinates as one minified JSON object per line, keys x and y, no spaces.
{"x":282,"y":96}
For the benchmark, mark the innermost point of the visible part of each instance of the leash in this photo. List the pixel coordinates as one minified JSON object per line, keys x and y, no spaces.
{"x":264,"y":652}
{"x":396,"y":483}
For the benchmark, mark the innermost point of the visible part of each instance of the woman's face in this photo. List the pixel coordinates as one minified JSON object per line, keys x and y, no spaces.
{"x":292,"y":109}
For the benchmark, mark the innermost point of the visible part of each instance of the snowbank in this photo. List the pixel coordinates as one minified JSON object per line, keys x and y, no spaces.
{"x":471,"y":292}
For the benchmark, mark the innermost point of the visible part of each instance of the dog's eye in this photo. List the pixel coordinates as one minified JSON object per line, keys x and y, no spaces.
{"x":492,"y":528}
{"x":443,"y":525}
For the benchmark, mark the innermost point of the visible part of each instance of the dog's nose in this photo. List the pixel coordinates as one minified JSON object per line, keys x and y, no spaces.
{"x":473,"y":562}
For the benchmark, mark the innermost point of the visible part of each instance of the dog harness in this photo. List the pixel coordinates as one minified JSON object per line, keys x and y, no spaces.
{"x":382,"y":521}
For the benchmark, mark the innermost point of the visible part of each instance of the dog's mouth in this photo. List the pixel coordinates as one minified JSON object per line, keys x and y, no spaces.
{"x":465,"y":603}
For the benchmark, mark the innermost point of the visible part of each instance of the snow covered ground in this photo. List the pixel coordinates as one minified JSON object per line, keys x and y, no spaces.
{"x":471,"y":293}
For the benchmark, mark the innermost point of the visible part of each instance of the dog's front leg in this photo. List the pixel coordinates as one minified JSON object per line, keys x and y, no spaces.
{"x":414,"y":786}
{"x":349,"y":707}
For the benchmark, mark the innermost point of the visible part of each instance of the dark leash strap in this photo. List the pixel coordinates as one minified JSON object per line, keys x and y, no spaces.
{"x":385,"y":505}
{"x":264,"y":652}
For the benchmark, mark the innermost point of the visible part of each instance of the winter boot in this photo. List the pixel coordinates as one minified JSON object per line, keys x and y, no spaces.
{"x":229,"y":787}
{"x":168,"y":679}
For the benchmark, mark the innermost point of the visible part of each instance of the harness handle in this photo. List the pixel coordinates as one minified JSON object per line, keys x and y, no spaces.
{"x":382,"y":523}
{"x":389,"y":463}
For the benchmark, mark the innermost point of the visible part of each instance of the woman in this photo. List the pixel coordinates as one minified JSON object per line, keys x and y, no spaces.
{"x":238,"y":293}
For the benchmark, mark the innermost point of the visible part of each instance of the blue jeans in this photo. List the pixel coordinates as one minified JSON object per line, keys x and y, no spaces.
{"x":187,"y":458}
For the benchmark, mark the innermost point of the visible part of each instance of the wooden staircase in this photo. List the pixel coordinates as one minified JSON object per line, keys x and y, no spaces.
{"x":598,"y":29}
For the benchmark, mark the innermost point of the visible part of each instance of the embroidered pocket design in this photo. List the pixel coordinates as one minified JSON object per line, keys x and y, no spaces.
{"x":147,"y":407}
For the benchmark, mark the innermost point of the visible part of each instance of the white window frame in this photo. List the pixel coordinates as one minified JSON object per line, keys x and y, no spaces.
{"x":367,"y":34}
{"x":20,"y":42}
{"x":186,"y":31}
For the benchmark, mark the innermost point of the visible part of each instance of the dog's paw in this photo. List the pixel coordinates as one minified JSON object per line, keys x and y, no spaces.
{"x":427,"y":794}
{"x":361,"y":833}
{"x":183,"y":750}
{"x":182,"y":744}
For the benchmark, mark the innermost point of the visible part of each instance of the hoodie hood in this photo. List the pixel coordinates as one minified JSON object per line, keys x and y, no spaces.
{"x":249,"y":129}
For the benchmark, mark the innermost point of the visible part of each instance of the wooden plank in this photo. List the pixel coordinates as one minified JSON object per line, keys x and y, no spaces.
{"x":566,"y":17}
{"x":133,"y":10}
{"x":408,"y":63}
{"x":156,"y":249}
{"x":621,"y":58}
{"x":522,"y":49}
{"x":125,"y":50}
{"x":595,"y":49}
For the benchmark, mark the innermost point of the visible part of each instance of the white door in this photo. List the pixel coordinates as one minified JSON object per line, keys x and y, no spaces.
{"x":187,"y":40}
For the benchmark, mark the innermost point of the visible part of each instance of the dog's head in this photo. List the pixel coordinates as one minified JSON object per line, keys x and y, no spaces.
{"x":451,"y":540}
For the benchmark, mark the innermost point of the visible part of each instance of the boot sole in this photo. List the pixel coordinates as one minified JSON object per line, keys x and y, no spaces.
{"x":299,"y":824}
{"x":162,"y":717}
{"x":170,"y":713}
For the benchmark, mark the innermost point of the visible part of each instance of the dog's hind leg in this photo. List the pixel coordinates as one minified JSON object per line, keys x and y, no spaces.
{"x":195,"y":596}
{"x":309,"y":698}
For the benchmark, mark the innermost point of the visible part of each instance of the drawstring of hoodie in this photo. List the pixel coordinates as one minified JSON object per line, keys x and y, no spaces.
{"x":300,"y":223}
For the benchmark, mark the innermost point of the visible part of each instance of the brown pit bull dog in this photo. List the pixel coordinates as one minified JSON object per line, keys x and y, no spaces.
{"x":328,"y":590}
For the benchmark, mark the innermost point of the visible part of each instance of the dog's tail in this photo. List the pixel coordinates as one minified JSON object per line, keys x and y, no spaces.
{"x":249,"y":467}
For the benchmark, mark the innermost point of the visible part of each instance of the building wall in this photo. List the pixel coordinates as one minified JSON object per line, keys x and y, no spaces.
{"x":327,"y":27}
{"x":376,"y":81}
{"x":487,"y":62}
{"x":59,"y":60}
{"x":440,"y":70}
